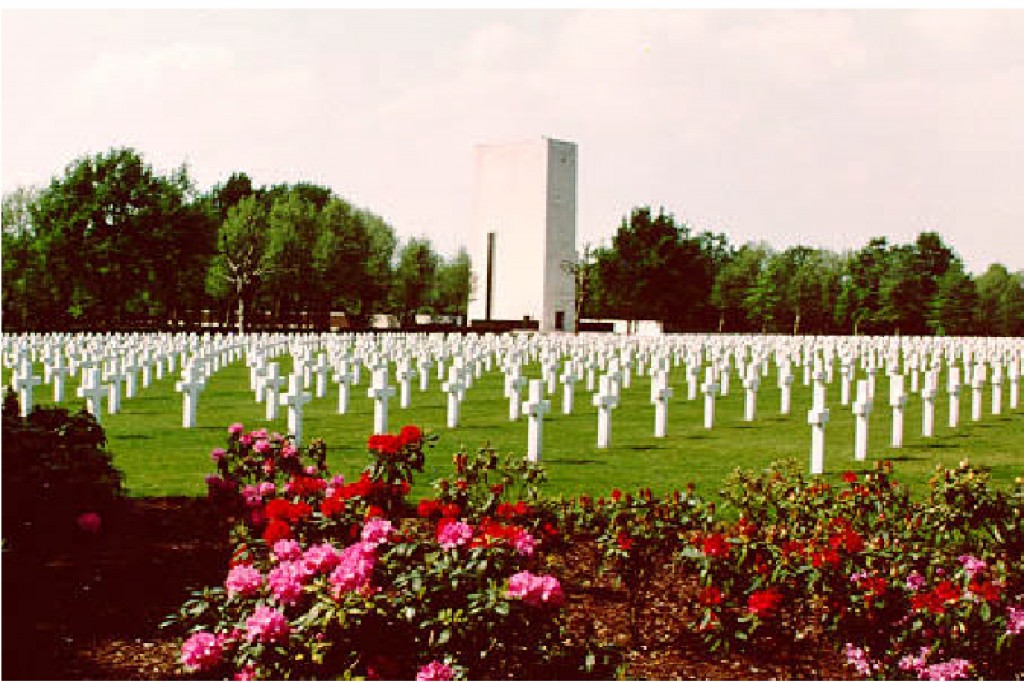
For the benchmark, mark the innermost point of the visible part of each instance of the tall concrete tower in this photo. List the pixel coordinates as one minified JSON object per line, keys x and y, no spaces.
{"x":524,"y":228}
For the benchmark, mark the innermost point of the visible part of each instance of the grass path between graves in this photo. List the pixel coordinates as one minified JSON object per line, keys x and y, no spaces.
{"x":160,"y":458}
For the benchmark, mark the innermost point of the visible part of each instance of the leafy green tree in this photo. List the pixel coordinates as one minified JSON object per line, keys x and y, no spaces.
{"x":341,"y":253}
{"x":952,"y":308}
{"x":414,"y":288}
{"x":1000,"y":309}
{"x":657,"y":270}
{"x":859,"y":300}
{"x":373,"y":287}
{"x":735,"y":278}
{"x":583,"y":270}
{"x":108,"y":228}
{"x":292,"y":233}
{"x":453,"y":286}
{"x":22,"y":259}
{"x":237,"y":268}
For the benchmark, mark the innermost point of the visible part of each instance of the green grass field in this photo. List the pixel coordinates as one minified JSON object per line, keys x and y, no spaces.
{"x":159,"y":457}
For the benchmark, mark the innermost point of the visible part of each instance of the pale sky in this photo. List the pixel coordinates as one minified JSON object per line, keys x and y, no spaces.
{"x":820,"y":127}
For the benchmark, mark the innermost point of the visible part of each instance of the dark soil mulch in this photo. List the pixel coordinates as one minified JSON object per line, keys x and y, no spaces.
{"x":92,"y":611}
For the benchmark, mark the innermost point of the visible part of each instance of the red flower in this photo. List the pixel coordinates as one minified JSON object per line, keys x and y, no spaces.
{"x":829,"y":556}
{"x":428,"y":508}
{"x":505,"y":510}
{"x":306,"y":485}
{"x":985,"y":590}
{"x":710,"y":596}
{"x":332,"y":505}
{"x":763,"y":603}
{"x":792,"y":547}
{"x":848,"y":539}
{"x":550,"y":529}
{"x":744,"y":527}
{"x":849,"y":477}
{"x":624,"y":542}
{"x":277,"y":509}
{"x":876,"y":585}
{"x":522,"y":509}
{"x":929,"y":601}
{"x":410,"y":435}
{"x":384,"y":443}
{"x":497,"y":489}
{"x":616,"y":494}
{"x":715,"y":545}
{"x":276,"y":530}
{"x":947,"y":591}
{"x":373,"y":512}
{"x":299,"y":510}
{"x":451,"y":511}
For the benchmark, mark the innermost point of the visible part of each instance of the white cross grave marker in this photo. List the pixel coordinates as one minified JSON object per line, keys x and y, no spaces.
{"x":605,"y":400}
{"x":536,"y":407}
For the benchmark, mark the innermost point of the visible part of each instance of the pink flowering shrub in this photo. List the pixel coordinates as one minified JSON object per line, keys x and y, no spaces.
{"x":201,"y":651}
{"x":332,"y":578}
{"x":243,"y":581}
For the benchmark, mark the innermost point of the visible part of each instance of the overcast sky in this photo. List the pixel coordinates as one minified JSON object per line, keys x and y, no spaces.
{"x":815,"y":127}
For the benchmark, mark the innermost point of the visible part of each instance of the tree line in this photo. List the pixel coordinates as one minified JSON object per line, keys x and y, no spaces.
{"x":111,"y":241}
{"x":657,"y":269}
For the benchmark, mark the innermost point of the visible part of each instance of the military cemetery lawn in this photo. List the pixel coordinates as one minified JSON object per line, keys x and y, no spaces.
{"x":160,"y":458}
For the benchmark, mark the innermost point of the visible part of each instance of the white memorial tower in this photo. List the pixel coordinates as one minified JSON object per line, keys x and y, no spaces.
{"x":524,"y":228}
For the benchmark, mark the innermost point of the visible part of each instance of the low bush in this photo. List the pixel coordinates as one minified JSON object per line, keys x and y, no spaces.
{"x":351,"y":579}
{"x":57,"y":478}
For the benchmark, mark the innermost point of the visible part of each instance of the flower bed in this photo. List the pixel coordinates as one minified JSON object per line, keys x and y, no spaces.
{"x":331,"y":578}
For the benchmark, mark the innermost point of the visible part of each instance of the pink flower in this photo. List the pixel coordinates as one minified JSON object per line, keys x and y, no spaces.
{"x":859,"y":659}
{"x":266,"y":488}
{"x":259,"y":433}
{"x":321,"y":558}
{"x":217,"y":454}
{"x":435,"y":670}
{"x":266,"y":625}
{"x":1014,"y":621}
{"x":246,"y":673}
{"x":288,"y":451}
{"x":535,"y":590}
{"x":261,"y":446}
{"x":252,"y":495}
{"x":243,"y":580}
{"x":245,"y":439}
{"x":451,"y":534}
{"x":201,"y":651}
{"x":355,"y":568}
{"x":90,"y":522}
{"x":287,"y":579}
{"x":915,"y":663}
{"x":953,"y":669}
{"x":235,"y":428}
{"x":287,"y":550}
{"x":972,"y":565}
{"x":524,"y":543}
{"x":376,"y":531}
{"x":915,"y":581}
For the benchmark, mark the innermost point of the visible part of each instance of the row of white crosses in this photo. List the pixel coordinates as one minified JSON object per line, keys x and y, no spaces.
{"x":461,"y":359}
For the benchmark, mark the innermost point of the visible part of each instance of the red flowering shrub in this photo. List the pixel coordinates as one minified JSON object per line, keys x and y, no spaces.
{"x":333,"y":578}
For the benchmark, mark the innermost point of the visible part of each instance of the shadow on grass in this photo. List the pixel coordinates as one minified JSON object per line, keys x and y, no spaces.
{"x":560,"y":460}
